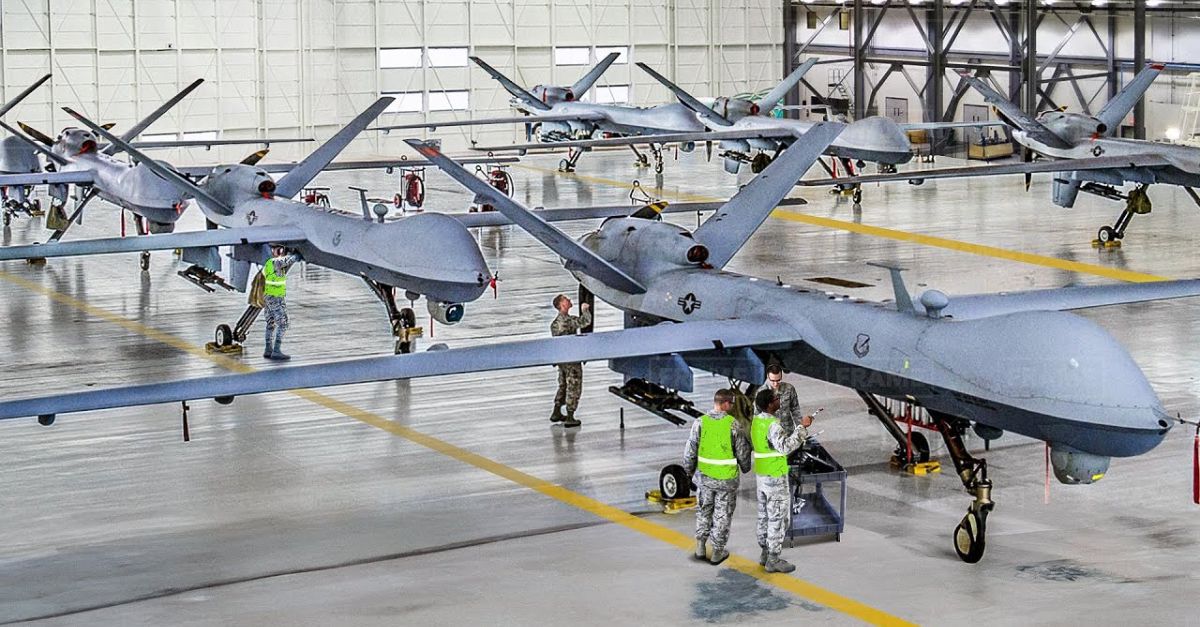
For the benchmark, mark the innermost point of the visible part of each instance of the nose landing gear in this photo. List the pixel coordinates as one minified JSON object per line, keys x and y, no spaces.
{"x":403,"y":320}
{"x":970,"y":536}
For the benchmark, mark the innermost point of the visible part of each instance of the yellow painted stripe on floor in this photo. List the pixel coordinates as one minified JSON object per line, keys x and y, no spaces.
{"x":796,"y":586}
{"x":893,"y":234}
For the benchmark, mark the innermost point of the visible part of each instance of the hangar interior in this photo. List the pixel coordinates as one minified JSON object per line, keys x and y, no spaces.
{"x":451,"y":497}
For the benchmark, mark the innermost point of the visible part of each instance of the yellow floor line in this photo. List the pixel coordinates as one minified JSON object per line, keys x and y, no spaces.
{"x":876,"y":231}
{"x":595,"y":507}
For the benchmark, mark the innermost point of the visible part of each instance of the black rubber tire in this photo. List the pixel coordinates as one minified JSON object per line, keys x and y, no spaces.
{"x":857,"y":197}
{"x":408,"y":318}
{"x":673,"y":483}
{"x":970,"y":537}
{"x":145,"y":261}
{"x":920,"y":447}
{"x":1106,"y":234}
{"x":760,"y":162}
{"x":7,"y":218}
{"x":658,"y":167}
{"x":563,"y":166}
{"x":223,"y":336}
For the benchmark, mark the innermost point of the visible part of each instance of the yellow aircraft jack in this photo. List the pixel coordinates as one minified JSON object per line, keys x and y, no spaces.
{"x":1116,"y":243}
{"x":920,"y":469}
{"x":671,"y":506}
{"x":232,"y":349}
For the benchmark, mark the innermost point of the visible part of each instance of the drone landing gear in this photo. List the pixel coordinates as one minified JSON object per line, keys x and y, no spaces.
{"x":970,"y":536}
{"x":1137,"y":202}
{"x":403,"y":320}
{"x":911,"y":448}
{"x":640,"y":159}
{"x":568,"y":164}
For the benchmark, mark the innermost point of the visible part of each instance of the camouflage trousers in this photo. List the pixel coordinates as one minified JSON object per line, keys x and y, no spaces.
{"x":277,"y":318}
{"x":714,"y":511}
{"x":570,"y":385}
{"x":774,"y":512}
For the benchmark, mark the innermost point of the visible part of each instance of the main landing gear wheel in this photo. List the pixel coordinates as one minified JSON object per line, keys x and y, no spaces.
{"x":1106,"y":234}
{"x":920,"y":450}
{"x":658,"y":167}
{"x":145,"y":262}
{"x":970,"y":537}
{"x":7,"y":218}
{"x":224,"y":336}
{"x":673,"y":483}
{"x":857,"y":197}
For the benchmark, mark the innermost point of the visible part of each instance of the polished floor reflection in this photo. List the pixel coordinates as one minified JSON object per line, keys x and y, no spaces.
{"x":336,"y":507}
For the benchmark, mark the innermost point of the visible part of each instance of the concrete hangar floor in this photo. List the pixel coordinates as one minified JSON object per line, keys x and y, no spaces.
{"x":453,"y":499}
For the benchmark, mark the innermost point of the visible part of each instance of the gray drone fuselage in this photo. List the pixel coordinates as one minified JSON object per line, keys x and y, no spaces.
{"x":1184,"y":169}
{"x":132,"y":187}
{"x":429,"y":254}
{"x":876,"y":139}
{"x":620,"y":119}
{"x":1052,"y":376}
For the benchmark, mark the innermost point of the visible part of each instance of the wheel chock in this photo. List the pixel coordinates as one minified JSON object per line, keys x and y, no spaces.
{"x":232,"y":349}
{"x":671,"y":506}
{"x":1106,"y":245}
{"x":925,"y":468}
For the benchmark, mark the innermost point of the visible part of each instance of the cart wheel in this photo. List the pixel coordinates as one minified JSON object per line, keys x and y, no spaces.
{"x":145,"y":262}
{"x":838,"y":537}
{"x":223,"y":336}
{"x":673,"y":483}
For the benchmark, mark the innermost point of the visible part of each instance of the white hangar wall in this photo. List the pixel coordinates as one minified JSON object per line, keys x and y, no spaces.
{"x":303,"y":67}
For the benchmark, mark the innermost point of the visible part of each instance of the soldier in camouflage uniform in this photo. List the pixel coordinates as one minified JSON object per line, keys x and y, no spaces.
{"x":570,"y":376}
{"x":789,"y":405}
{"x":771,"y":446}
{"x":275,"y":270}
{"x":718,"y":448}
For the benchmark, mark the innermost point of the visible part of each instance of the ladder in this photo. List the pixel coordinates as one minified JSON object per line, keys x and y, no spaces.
{"x":1189,"y":124}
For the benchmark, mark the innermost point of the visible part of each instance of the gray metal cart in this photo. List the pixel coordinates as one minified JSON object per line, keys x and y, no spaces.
{"x":815,"y":474}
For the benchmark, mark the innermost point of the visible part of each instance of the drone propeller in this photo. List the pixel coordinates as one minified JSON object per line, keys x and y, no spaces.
{"x":255,"y":157}
{"x":36,"y":134}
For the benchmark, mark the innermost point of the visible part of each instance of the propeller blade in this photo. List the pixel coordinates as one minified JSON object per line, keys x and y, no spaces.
{"x":36,"y":134}
{"x":255,"y":157}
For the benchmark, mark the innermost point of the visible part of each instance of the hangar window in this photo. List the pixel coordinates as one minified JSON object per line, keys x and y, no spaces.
{"x":406,"y":102}
{"x":603,"y":51}
{"x":611,"y":93}
{"x":201,"y":136}
{"x":448,"y":100}
{"x":399,"y":57}
{"x":572,"y":56}
{"x":447,"y":57}
{"x":810,"y":19}
{"x":158,"y":137}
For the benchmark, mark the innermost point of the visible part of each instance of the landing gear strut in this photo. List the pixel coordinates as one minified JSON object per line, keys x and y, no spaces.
{"x":902,"y":456}
{"x":403,"y":320}
{"x":640,"y":159}
{"x":970,"y":536}
{"x":1137,"y":202}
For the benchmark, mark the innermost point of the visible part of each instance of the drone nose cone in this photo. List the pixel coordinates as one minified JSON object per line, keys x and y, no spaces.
{"x":1084,"y":385}
{"x":434,"y":248}
{"x":877,"y":135}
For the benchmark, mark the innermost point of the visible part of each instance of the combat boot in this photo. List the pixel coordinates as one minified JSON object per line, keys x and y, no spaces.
{"x":267,"y":352}
{"x":569,"y":420}
{"x":556,"y":415}
{"x":279,"y":355}
{"x":777,"y":564}
{"x":718,"y":556}
{"x":762,"y":557}
{"x":701,"y":551}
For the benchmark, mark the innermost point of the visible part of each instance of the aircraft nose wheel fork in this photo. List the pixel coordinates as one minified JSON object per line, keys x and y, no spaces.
{"x":403,"y":320}
{"x":970,"y":536}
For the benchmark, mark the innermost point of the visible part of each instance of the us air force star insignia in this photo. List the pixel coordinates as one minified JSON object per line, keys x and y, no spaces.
{"x":1098,"y":150}
{"x":689,"y":303}
{"x":251,"y":218}
{"x":337,"y":238}
{"x":862,"y":345}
